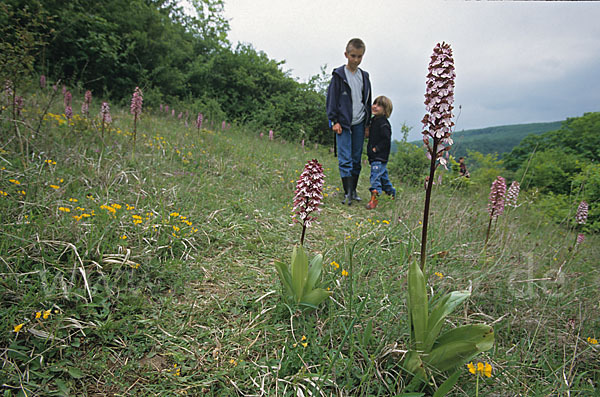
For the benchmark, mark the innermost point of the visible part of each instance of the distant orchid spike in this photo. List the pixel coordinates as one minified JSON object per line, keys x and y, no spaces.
{"x":64,"y":89}
{"x":172,"y":112}
{"x":18,"y":104}
{"x":105,"y":116}
{"x":42,"y":81}
{"x":512,"y":194}
{"x":180,"y":115}
{"x":199,"y":121}
{"x":67,"y":98}
{"x":88,"y":97}
{"x":161,"y":107}
{"x":136,"y":102}
{"x":85,"y":109}
{"x":271,"y":135}
{"x":496,"y":198}
{"x":580,"y":238}
{"x":105,"y":113}
{"x":223,"y":125}
{"x":166,"y":108}
{"x":309,"y":194}
{"x":582,"y":213}
{"x":69,"y":112}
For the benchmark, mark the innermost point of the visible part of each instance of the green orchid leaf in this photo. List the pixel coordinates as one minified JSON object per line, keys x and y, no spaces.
{"x":414,"y":366}
{"x":315,"y":297}
{"x":481,"y":334}
{"x":417,"y":304}
{"x":299,"y":272}
{"x":447,"y":385}
{"x":459,"y":345}
{"x":441,"y":309}
{"x":285,"y":277}
{"x":314,"y":272}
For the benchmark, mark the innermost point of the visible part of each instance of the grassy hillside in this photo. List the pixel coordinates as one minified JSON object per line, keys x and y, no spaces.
{"x":151,"y":272}
{"x":499,"y":139}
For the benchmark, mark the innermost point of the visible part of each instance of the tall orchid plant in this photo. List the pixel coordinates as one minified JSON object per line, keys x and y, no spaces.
{"x":299,"y":280}
{"x":136,"y":109}
{"x":432,"y":350}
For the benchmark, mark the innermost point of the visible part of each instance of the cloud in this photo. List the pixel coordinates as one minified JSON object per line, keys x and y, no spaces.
{"x":515,"y":61}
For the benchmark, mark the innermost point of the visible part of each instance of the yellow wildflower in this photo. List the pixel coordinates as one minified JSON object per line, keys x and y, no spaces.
{"x":46,"y":314}
{"x":385,"y":221}
{"x":345,"y":273}
{"x":304,"y":344}
{"x":335,"y":264}
{"x":73,"y":200}
{"x":123,"y":237}
{"x":116,"y":206}
{"x":16,"y":182}
{"x":482,"y":369}
{"x":38,"y":314}
{"x":592,"y":340}
{"x":55,"y":187}
{"x":17,"y":328}
{"x":440,"y":275}
{"x":64,"y":209}
{"x":3,"y":193}
{"x":174,"y":214}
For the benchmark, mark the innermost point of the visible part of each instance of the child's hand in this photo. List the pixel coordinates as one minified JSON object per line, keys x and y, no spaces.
{"x":374,"y":150}
{"x":367,"y":132}
{"x":337,"y":128}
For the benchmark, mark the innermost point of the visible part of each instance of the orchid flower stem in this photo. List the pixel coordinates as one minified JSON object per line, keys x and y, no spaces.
{"x":426,"y":210}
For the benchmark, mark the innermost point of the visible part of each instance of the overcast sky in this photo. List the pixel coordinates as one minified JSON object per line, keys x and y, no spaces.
{"x":516,"y":62}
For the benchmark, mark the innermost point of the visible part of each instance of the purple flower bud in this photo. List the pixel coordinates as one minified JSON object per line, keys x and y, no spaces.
{"x":582,"y":213}
{"x":496,"y":199}
{"x":69,"y":112}
{"x":136,"y":102}
{"x":513,"y":194}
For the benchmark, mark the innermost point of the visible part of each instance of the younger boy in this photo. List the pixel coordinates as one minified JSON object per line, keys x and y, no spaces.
{"x":378,"y":149}
{"x":348,"y":109}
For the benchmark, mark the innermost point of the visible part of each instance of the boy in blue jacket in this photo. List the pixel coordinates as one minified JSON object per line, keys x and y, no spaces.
{"x":348,"y":109}
{"x":378,"y":149}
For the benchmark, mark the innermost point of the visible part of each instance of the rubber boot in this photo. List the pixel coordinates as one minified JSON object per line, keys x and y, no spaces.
{"x":373,"y":202}
{"x":354,"y":195}
{"x":347,"y":183}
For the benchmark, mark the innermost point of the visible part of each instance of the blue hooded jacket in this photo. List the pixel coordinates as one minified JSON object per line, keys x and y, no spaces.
{"x":339,"y":99}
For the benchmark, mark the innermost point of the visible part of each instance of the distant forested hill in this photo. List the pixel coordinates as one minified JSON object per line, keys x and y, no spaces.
{"x":499,"y":139}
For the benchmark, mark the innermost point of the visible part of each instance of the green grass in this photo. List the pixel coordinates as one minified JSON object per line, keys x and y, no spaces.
{"x":192,"y":305}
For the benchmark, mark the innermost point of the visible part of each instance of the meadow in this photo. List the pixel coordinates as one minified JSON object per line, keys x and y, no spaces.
{"x":149,"y":270}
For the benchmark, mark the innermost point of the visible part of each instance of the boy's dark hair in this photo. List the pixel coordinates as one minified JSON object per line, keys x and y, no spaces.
{"x":355,"y":43}
{"x":385,"y":103}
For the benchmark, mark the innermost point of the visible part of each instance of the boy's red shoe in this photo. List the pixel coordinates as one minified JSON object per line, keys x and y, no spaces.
{"x":373,"y":202}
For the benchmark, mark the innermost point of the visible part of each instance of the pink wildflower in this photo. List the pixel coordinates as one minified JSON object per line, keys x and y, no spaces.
{"x":88,"y":97}
{"x":67,"y":98}
{"x":582,"y":213}
{"x":439,"y":99}
{"x":105,"y":113}
{"x":580,"y":238}
{"x":166,"y":108}
{"x":173,"y":112}
{"x":180,"y":115}
{"x":271,"y":135}
{"x":262,"y":134}
{"x":69,"y":112}
{"x":136,"y":102}
{"x":512,"y":194}
{"x":309,"y":193}
{"x":302,"y":144}
{"x":199,"y":121}
{"x":497,"y":193}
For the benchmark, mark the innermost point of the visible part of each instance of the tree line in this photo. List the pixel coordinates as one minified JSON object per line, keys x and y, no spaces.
{"x":176,"y":56}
